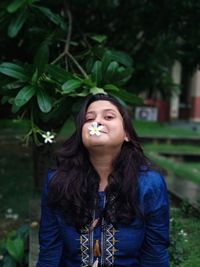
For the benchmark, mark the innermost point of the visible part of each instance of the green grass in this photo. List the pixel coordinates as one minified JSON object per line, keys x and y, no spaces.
{"x":195,"y":166}
{"x":145,"y":128}
{"x":191,"y":225}
{"x":178,"y":168}
{"x":181,"y":148}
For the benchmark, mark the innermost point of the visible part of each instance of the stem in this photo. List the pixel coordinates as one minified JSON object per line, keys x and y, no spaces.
{"x":69,"y":15}
{"x":73,"y":59}
{"x":77,"y":64}
{"x":58,"y":58}
{"x":66,"y":52}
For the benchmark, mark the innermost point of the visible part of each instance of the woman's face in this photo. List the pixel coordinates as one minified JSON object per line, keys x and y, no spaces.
{"x":111,"y":134}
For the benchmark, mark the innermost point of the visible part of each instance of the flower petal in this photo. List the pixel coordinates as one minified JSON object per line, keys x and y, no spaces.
{"x":90,"y":127}
{"x":100,"y":127}
{"x":92,"y":132}
{"x":98,"y":133}
{"x":95,"y":124}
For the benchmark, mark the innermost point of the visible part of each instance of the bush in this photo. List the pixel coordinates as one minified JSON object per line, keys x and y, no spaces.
{"x":13,"y":251}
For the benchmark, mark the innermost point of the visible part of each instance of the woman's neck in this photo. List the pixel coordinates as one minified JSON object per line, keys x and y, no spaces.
{"x":103,"y":165}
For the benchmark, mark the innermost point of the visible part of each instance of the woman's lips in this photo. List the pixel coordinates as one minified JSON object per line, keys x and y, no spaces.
{"x":103,"y":131}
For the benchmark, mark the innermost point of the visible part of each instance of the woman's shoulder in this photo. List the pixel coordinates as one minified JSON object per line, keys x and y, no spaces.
{"x":151,"y":181}
{"x":152,"y":191}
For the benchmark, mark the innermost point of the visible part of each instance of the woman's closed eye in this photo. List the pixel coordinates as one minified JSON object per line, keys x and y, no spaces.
{"x":109,"y":117}
{"x":89,"y":119}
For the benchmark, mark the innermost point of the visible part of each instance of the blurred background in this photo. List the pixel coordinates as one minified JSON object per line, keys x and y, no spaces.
{"x":55,"y":53}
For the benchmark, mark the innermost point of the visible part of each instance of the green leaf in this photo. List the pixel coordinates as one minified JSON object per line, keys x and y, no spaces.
{"x":122,"y":58}
{"x":70,"y":86}
{"x":44,"y":101}
{"x":22,"y":231}
{"x":111,"y":70}
{"x":89,"y":64}
{"x":55,"y":18}
{"x":15,"y":5}
{"x":58,"y":73}
{"x":15,"y":248}
{"x":106,"y":61}
{"x":96,"y":72}
{"x":15,"y":108}
{"x":97,"y":90}
{"x":98,"y":38}
{"x":4,"y":99}
{"x":123,"y":75}
{"x":41,"y":57}
{"x":17,"y":23}
{"x":111,"y":87}
{"x":128,"y":97}
{"x":35,"y":77}
{"x":13,"y":70}
{"x":24,"y":95}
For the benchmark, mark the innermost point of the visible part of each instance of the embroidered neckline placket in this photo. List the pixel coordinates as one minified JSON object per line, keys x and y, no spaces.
{"x":106,"y":254}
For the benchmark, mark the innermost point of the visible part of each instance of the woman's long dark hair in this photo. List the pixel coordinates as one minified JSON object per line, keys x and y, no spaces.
{"x":73,"y":189}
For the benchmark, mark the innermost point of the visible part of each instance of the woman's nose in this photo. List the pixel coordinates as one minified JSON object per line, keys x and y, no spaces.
{"x":99,"y":121}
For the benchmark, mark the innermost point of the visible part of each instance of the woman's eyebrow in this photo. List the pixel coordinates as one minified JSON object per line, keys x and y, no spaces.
{"x":109,"y":109}
{"x":90,"y":112}
{"x":104,"y":110}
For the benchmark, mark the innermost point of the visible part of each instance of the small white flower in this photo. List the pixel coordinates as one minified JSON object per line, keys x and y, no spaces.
{"x":182,"y":233}
{"x":1,"y":257}
{"x":15,"y":217}
{"x":48,"y":137}
{"x":94,"y":129}
{"x":9,"y":211}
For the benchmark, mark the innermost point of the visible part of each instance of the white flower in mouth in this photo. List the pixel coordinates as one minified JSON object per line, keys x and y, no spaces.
{"x":94,"y":129}
{"x":48,"y":137}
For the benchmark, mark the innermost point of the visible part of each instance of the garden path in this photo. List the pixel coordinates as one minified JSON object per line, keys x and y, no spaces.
{"x":184,"y":190}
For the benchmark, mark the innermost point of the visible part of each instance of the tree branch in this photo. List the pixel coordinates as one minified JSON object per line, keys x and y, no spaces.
{"x":67,"y":14}
{"x":74,"y":61}
{"x":77,"y":65}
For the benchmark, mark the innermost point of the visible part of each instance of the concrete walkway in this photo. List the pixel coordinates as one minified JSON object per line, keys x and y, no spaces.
{"x":184,"y":190}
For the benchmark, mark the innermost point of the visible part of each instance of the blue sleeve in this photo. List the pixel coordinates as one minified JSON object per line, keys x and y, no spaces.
{"x":50,"y":240}
{"x":154,"y":204}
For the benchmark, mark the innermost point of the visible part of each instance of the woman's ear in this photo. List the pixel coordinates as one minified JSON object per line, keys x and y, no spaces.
{"x":126,"y":138}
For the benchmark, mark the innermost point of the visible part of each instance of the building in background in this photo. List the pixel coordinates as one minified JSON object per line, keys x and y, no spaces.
{"x":184,"y":104}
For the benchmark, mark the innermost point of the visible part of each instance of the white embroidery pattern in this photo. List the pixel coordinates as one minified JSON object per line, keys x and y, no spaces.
{"x":110,"y":244}
{"x":84,"y":242}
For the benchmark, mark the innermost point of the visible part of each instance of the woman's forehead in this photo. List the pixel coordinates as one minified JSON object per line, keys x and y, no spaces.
{"x":101,"y":105}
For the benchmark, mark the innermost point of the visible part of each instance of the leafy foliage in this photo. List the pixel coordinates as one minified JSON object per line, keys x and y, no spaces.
{"x":52,"y":70}
{"x":56,"y":53}
{"x":178,"y":242}
{"x":12,"y":248}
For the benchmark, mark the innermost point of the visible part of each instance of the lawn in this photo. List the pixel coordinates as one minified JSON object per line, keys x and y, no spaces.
{"x":184,"y":232}
{"x":156,"y":129}
{"x":180,"y":148}
{"x":181,"y":169}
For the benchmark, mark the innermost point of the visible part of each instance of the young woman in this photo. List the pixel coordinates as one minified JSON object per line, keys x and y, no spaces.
{"x":103,"y":204}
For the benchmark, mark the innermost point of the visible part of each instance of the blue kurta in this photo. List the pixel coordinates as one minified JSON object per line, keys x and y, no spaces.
{"x":143,"y":243}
